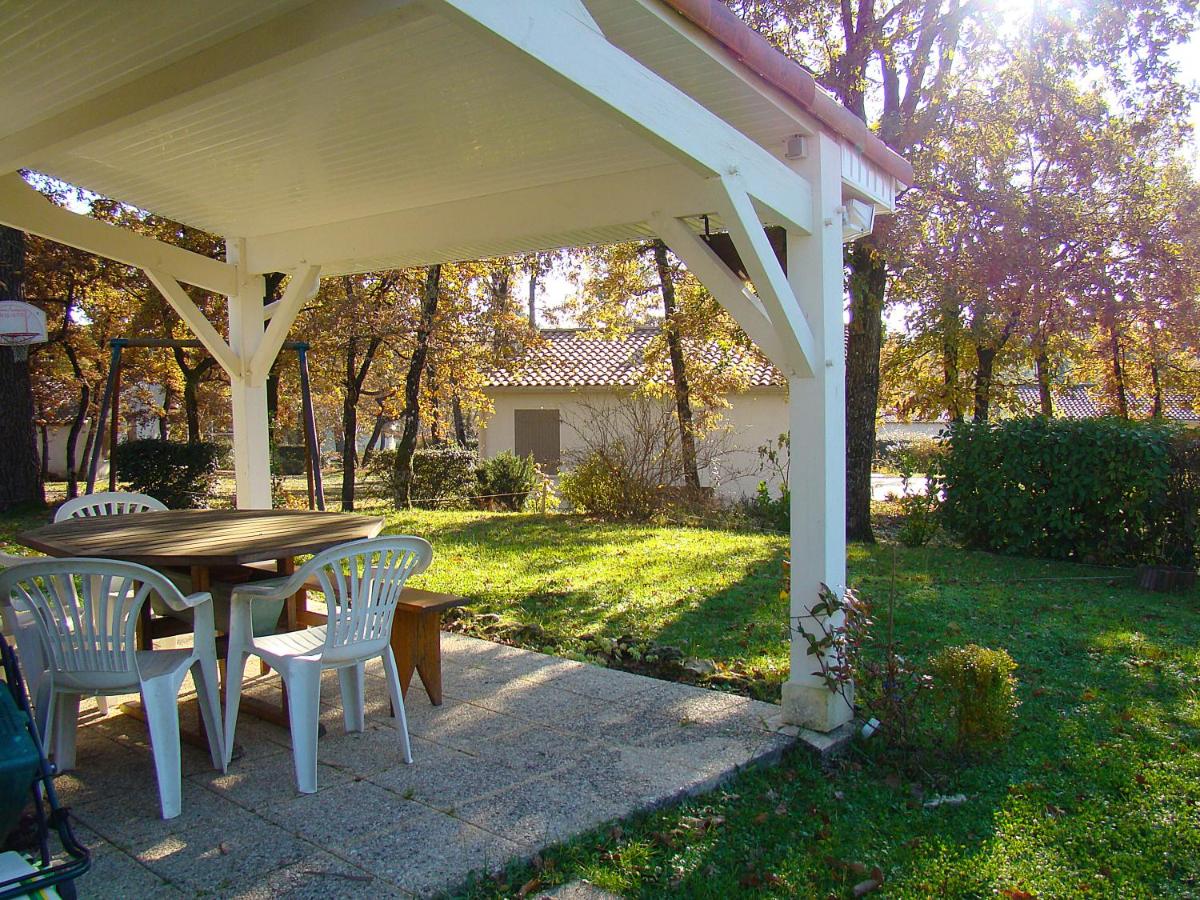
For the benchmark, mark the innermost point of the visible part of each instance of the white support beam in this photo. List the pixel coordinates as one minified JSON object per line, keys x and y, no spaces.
{"x":277,"y":43}
{"x":549,"y":36}
{"x":767,"y":275}
{"x":487,"y":226}
{"x":23,"y":208}
{"x":299,"y":289}
{"x":251,"y":438}
{"x":195,"y":319}
{"x":817,"y":417}
{"x":729,"y":290}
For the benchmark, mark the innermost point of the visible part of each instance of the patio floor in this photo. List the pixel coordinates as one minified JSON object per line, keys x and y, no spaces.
{"x":527,"y":750}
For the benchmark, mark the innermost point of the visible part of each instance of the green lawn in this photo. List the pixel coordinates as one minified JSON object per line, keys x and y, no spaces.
{"x":1097,"y":792}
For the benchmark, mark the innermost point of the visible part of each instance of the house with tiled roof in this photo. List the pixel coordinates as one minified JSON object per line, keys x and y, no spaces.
{"x":543,"y":402}
{"x":1085,"y":401}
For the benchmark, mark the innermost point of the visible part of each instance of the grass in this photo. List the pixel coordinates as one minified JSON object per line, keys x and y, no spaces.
{"x":1096,"y":793}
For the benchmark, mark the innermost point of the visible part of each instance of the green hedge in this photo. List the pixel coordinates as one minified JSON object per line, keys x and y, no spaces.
{"x":444,"y":477}
{"x":183,"y":476}
{"x":291,"y":459}
{"x":1097,"y":490}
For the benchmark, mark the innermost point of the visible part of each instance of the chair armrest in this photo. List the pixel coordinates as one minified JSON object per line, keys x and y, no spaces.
{"x":268,"y":588}
{"x":191,"y":601}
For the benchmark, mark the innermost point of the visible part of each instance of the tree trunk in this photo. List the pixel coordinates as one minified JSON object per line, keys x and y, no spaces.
{"x":984,"y":373}
{"x":373,"y":440}
{"x":533,"y":286}
{"x":460,"y":422}
{"x":868,"y":280}
{"x":73,"y":437}
{"x":435,"y":430}
{"x":412,"y":388}
{"x":683,"y":399}
{"x":1156,"y":410}
{"x":356,"y":376}
{"x":1042,"y":363}
{"x":1118,"y":370}
{"x":44,"y":429}
{"x":192,"y":377}
{"x":950,"y":347}
{"x":20,"y":475}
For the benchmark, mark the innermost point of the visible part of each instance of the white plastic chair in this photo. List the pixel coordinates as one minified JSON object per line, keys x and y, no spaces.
{"x":107,"y":503}
{"x":18,"y":625}
{"x":362,"y":581}
{"x":85,"y":612}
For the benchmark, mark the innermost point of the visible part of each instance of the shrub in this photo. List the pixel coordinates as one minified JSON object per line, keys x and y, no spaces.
{"x":908,"y":458}
{"x":290,"y":459}
{"x":981,"y":690}
{"x":601,"y":484}
{"x":920,"y":517}
{"x":1177,"y":536}
{"x":1088,"y":489}
{"x":769,"y":511}
{"x":183,"y":476}
{"x":443,"y":476}
{"x":506,"y":480}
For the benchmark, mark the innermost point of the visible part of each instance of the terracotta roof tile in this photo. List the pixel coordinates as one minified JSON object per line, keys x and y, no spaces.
{"x":570,"y":357}
{"x":1085,"y":402}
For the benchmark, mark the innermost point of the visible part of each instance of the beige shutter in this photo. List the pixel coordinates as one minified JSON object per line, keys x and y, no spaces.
{"x":536,"y":431}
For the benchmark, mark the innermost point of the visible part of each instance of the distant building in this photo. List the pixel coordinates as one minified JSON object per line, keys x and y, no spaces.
{"x":1084,"y":401}
{"x":544,"y":402}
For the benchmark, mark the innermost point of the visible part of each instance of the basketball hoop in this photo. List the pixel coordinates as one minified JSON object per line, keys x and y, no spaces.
{"x":21,"y":325}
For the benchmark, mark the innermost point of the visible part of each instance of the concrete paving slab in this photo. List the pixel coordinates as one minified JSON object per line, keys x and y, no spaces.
{"x":527,"y":749}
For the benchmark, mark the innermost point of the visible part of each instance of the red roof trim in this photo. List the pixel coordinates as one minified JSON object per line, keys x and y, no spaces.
{"x":756,"y":53}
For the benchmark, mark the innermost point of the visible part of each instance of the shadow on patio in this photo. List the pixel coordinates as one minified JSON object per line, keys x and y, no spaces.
{"x":527,"y":750}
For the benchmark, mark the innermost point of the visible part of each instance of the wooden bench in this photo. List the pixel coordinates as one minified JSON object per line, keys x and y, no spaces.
{"x":416,"y":631}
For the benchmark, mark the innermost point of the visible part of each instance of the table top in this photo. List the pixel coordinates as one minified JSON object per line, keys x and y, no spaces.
{"x":201,"y":537}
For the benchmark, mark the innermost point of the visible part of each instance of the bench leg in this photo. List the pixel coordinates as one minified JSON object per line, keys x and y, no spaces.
{"x":417,"y":646}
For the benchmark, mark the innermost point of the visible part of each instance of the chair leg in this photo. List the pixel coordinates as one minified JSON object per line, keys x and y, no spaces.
{"x":393,"y":681}
{"x":235,"y":666}
{"x":102,"y":704}
{"x":64,"y":712}
{"x":303,"y":679}
{"x":159,"y":696}
{"x":204,"y":673}
{"x":353,"y":696}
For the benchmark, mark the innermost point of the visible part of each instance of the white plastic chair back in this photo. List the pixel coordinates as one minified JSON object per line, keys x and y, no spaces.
{"x":108,"y":503}
{"x":362,"y":581}
{"x":86,"y":612}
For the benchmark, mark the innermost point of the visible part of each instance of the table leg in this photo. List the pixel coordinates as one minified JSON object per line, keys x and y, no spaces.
{"x":417,"y":645}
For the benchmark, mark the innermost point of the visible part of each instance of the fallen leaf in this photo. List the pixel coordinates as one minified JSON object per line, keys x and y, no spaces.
{"x":224,"y":848}
{"x":761,"y":817}
{"x":839,"y":796}
{"x":537,"y":862}
{"x":616,"y":832}
{"x":1016,"y":894}
{"x":1088,"y":696}
{"x":893,"y":780}
{"x":865,"y":887}
{"x":529,"y":887}
{"x":781,"y":809}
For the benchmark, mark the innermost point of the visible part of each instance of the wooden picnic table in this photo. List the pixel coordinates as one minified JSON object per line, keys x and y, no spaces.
{"x":209,"y":543}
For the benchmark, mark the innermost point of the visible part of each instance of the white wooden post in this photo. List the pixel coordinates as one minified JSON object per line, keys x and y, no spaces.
{"x":817,"y":418}
{"x":251,"y":442}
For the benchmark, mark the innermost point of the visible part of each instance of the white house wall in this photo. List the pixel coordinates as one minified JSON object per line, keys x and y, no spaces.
{"x":753,"y":419}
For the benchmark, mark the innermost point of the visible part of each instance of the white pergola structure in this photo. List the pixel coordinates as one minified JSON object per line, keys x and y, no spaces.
{"x":324,"y":137}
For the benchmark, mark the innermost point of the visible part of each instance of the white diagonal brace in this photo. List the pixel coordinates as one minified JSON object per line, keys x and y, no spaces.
{"x":195,"y":319}
{"x":283,"y":41}
{"x":299,"y":289}
{"x":23,"y":208}
{"x":550,"y":37}
{"x":729,"y":290}
{"x":767,"y":275}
